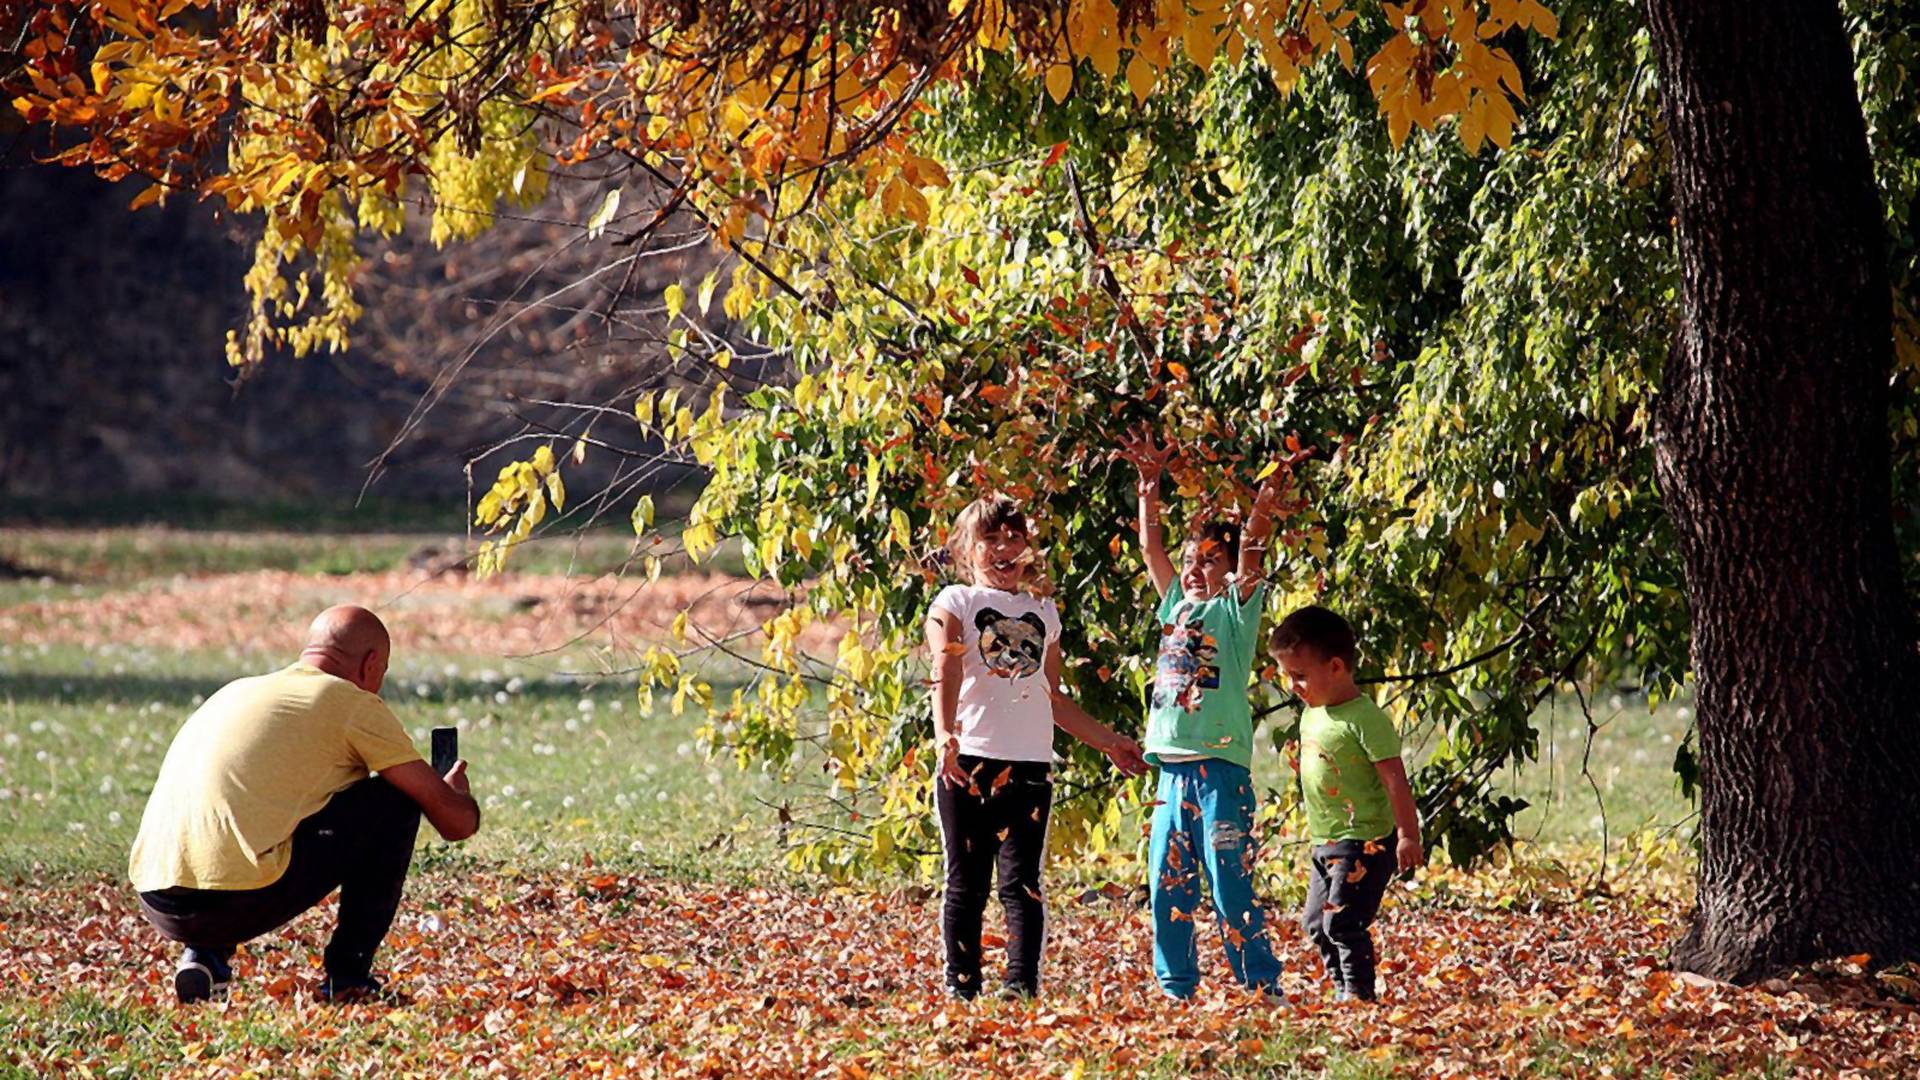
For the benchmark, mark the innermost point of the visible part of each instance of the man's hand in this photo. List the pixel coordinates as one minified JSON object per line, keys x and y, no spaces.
{"x":444,"y":800}
{"x":1409,"y":853}
{"x":1126,"y":756}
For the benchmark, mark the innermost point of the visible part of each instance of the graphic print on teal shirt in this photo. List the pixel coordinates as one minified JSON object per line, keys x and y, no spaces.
{"x":1188,"y":666}
{"x":1199,"y":703}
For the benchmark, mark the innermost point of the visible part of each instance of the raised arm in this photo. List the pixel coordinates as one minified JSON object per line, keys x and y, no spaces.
{"x":1253,"y":541}
{"x":1069,"y":717}
{"x":1151,"y":460}
{"x":945,"y":643}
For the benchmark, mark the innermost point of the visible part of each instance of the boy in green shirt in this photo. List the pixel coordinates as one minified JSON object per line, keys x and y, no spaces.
{"x":1360,"y":811}
{"x":1200,"y":733}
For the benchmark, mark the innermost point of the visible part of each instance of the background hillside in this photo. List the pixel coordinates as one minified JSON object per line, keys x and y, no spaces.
{"x":114,"y":390}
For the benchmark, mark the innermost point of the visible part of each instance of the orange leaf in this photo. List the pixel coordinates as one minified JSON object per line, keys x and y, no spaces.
{"x":1005,"y":777}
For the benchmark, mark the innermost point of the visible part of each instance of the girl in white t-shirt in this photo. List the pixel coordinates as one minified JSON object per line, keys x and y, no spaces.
{"x":995,"y":646}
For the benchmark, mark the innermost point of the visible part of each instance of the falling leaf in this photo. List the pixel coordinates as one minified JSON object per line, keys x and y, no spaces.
{"x":1002,"y":780}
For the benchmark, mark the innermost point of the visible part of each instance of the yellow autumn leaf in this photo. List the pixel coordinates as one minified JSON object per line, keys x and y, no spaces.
{"x":1104,"y":51}
{"x":1543,"y":21}
{"x":1473,"y":125}
{"x":1201,"y":37}
{"x":914,"y":204}
{"x":1399,"y":123}
{"x":1141,"y":76}
{"x":1059,"y":82}
{"x":738,"y":303}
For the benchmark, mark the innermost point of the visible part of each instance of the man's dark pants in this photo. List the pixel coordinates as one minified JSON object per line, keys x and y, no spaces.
{"x":361,"y":843}
{"x":1349,"y":879}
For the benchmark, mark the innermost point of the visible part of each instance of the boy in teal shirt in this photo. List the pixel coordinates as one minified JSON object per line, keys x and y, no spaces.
{"x":1360,"y":811}
{"x":1200,"y":734}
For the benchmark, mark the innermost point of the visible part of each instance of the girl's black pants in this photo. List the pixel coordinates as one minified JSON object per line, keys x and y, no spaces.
{"x":999,"y":820}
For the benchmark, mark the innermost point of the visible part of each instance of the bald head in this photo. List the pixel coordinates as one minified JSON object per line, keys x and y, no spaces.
{"x":350,"y":642}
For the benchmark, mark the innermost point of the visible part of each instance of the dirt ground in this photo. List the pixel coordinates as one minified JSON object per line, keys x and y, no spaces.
{"x":512,"y":615}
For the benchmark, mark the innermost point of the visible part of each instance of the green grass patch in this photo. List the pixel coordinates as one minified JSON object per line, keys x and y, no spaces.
{"x":564,"y":765}
{"x":1614,"y":780}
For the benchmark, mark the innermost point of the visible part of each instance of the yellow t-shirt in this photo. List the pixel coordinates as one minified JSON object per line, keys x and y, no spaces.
{"x":249,"y":765}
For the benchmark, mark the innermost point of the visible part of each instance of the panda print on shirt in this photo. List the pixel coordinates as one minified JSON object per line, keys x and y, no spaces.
{"x":1011,"y":647}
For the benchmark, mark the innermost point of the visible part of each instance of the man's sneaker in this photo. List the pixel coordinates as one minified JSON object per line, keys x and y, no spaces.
{"x":200,"y":976}
{"x":342,"y":990}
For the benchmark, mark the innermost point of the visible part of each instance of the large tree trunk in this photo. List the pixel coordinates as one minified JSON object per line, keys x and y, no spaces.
{"x":1772,"y":454}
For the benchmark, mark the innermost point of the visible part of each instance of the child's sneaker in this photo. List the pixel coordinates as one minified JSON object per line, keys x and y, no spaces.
{"x":201,"y":976}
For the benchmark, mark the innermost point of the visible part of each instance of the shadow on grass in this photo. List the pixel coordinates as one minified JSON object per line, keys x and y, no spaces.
{"x":78,"y":688}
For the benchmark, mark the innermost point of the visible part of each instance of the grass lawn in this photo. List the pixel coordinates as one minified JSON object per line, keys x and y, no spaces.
{"x":566,"y":766}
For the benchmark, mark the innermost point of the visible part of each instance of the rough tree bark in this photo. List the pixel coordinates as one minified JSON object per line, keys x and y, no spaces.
{"x":1772,"y":454}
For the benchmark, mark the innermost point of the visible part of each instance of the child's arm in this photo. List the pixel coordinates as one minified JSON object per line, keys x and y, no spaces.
{"x":1253,"y":542}
{"x":1138,"y":447}
{"x":1072,"y":719}
{"x":1406,"y":816}
{"x":945,"y":642}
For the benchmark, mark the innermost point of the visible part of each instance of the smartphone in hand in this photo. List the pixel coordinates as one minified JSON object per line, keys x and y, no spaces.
{"x":446,"y":749}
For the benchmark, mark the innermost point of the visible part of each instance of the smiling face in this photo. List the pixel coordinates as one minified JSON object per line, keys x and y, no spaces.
{"x":1205,"y":564}
{"x":1000,"y":558}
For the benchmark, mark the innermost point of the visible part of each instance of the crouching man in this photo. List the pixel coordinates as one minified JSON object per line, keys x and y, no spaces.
{"x":265,"y":805}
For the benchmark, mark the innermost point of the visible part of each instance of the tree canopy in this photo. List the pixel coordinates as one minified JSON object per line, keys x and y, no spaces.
{"x":985,"y":238}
